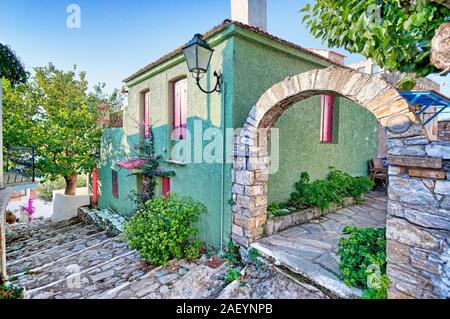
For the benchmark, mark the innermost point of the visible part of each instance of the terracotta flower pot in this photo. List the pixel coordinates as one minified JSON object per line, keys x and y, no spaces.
{"x":10,"y":218}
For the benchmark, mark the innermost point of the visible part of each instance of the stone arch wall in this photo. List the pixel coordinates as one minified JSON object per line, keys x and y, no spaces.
{"x":409,"y":151}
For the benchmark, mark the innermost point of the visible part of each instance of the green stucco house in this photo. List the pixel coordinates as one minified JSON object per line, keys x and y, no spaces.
{"x":165,"y":96}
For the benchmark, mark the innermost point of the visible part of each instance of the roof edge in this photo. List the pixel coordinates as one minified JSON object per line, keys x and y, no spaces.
{"x":225,"y":24}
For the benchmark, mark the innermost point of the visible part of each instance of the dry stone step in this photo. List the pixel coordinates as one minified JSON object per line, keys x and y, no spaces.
{"x":88,"y":283}
{"x":156,"y":284}
{"x":56,"y":270}
{"x":41,"y":235}
{"x":67,"y":235}
{"x":36,"y":228}
{"x":55,"y":253}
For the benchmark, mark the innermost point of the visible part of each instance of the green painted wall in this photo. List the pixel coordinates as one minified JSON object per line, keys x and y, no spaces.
{"x":115,"y":149}
{"x":256,"y":69}
{"x":250,"y":64}
{"x":301,"y":150}
{"x":203,"y":182}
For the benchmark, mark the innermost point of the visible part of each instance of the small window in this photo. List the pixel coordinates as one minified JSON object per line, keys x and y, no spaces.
{"x":326,"y":122}
{"x":165,"y":186}
{"x":115,"y":184}
{"x":179,"y":109}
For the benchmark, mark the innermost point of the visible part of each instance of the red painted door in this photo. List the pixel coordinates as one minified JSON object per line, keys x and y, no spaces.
{"x":95,"y":186}
{"x":165,"y":186}
{"x":180,"y":109}
{"x":326,"y":123}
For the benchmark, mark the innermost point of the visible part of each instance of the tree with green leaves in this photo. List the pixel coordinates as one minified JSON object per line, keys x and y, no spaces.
{"x":395,"y":34}
{"x":57,"y":114}
{"x":12,"y":70}
{"x":66,"y":135}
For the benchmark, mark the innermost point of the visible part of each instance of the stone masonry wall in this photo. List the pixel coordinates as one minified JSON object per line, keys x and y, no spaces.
{"x":418,"y":225}
{"x":444,"y":131}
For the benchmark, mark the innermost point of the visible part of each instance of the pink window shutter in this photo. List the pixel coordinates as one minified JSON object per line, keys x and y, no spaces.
{"x":326,"y":123}
{"x":147,"y":115}
{"x":180,"y":109}
{"x":183,"y":109}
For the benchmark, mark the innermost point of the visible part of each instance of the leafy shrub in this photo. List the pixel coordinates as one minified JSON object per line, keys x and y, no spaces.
{"x":161,"y":228}
{"x":232,"y":275}
{"x":323,"y":193}
{"x":9,"y":291}
{"x":193,"y":250}
{"x":233,"y":255}
{"x":363,"y":260}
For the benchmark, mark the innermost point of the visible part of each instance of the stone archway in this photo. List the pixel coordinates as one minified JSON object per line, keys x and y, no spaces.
{"x":408,"y":150}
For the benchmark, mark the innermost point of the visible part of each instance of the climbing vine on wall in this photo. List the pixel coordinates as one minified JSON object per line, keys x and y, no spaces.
{"x":150,"y":170}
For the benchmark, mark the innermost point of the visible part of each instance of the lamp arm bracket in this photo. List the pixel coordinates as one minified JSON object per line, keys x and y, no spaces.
{"x":217,"y":87}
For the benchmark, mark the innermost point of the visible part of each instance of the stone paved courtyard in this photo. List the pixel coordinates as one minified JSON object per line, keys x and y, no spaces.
{"x":310,"y":249}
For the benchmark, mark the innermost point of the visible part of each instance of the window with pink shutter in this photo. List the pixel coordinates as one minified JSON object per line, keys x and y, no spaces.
{"x":115,"y":184}
{"x":179,"y":109}
{"x":326,"y":122}
{"x":147,"y":115}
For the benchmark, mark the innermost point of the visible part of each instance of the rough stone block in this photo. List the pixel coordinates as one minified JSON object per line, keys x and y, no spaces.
{"x":411,"y":191}
{"x":426,"y":173}
{"x":244,"y":177}
{"x":409,"y":234}
{"x":396,"y":252}
{"x":426,"y":220}
{"x":423,"y":162}
{"x":395,"y":170}
{"x":439,"y":151}
{"x":442,"y":187}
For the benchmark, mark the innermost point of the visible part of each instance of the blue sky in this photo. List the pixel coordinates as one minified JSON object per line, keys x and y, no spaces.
{"x":117,"y":37}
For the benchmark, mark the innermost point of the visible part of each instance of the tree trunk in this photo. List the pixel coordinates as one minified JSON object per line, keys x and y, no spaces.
{"x":71,"y":185}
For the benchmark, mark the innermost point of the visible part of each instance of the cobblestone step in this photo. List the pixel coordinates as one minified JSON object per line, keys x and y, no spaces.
{"x":35,"y":236}
{"x":90,"y":282}
{"x":178,"y":280}
{"x":54,"y":253}
{"x":35,"y":228}
{"x":69,"y":234}
{"x":59,"y":269}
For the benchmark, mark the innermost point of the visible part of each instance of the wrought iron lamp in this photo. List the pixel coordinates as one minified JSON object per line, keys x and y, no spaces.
{"x":198,"y":56}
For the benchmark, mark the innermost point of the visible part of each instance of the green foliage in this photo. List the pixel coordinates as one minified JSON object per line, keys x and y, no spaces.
{"x":46,"y":188}
{"x":277,"y":209}
{"x":9,"y":291}
{"x":232,"y":275}
{"x":55,"y":112}
{"x":323,"y":193}
{"x":363,"y":260}
{"x":150,"y":171}
{"x":11,"y":68}
{"x":162,"y":227}
{"x":233,"y":255}
{"x":394,"y":37}
{"x":193,"y":250}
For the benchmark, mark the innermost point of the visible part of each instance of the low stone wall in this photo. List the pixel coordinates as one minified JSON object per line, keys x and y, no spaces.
{"x":66,"y":207}
{"x":279,"y":223}
{"x":4,"y":199}
{"x":418,"y":225}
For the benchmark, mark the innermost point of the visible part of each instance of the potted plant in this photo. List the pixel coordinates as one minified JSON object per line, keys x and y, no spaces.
{"x":10,"y":217}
